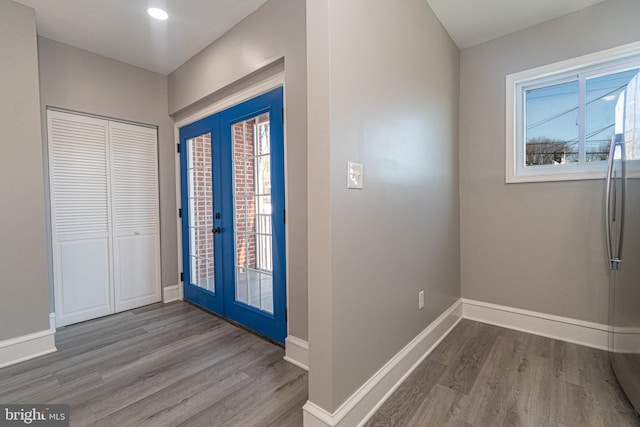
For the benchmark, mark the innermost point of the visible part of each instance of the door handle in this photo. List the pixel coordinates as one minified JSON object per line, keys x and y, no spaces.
{"x":615,"y":253}
{"x":607,"y":212}
{"x":216,"y":230}
{"x":623,"y":201}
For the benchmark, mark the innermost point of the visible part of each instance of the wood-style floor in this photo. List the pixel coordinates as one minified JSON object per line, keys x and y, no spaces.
{"x":482,"y":375}
{"x":162,"y":365}
{"x":171,"y":365}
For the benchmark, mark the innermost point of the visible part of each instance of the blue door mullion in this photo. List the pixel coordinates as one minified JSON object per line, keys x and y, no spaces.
{"x":226,"y":210}
{"x":218,"y":181}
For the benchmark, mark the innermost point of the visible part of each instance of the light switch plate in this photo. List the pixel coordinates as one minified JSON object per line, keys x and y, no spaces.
{"x":355,"y":175}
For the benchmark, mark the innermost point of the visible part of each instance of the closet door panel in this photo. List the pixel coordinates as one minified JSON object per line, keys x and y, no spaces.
{"x":136,"y":220}
{"x":138,"y":280}
{"x":83,"y":275}
{"x":79,"y":193}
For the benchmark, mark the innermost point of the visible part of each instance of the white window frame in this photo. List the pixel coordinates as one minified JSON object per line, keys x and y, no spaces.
{"x":580,"y":68}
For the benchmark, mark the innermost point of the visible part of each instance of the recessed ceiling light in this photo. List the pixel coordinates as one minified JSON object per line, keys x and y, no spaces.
{"x":158,"y":13}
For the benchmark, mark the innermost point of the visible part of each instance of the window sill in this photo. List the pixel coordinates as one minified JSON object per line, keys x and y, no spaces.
{"x":554,"y":177}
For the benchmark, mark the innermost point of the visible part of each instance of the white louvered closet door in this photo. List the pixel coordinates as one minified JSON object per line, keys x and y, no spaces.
{"x":78,"y":169}
{"x":136,"y":222}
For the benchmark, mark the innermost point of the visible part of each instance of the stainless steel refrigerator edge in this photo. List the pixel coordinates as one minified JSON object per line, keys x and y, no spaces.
{"x":622,"y":212}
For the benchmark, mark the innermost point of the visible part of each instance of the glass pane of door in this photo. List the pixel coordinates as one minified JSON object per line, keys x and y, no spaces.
{"x":252,"y":213}
{"x":200,"y":202}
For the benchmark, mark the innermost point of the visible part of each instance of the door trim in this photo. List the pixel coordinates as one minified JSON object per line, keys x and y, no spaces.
{"x":237,"y":98}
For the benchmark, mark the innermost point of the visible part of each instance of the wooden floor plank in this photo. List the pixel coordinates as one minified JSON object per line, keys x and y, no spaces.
{"x":132,"y":384}
{"x":80,"y":339}
{"x":410,"y":394}
{"x":291,"y":418}
{"x":440,"y":407}
{"x":492,"y":397}
{"x":511,"y":378}
{"x":238,"y":407}
{"x":160,"y":365}
{"x":262,"y":411}
{"x":167,"y":365}
{"x":464,"y":368}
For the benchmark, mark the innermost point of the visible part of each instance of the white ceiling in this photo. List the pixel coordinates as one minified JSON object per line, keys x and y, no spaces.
{"x":122,"y":30}
{"x":470,"y":22}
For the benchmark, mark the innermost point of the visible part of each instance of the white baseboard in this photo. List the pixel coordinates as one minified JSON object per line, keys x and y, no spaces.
{"x":547,"y":325}
{"x":26,"y":347}
{"x":315,"y":416}
{"x":171,"y":293}
{"x":361,"y":405}
{"x":297,"y":352}
{"x":52,"y":321}
{"x":626,"y":342}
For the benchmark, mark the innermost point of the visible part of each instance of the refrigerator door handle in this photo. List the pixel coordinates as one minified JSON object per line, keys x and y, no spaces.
{"x":623,"y":201}
{"x":607,"y":213}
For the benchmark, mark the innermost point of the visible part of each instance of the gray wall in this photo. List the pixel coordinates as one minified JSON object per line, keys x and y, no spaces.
{"x":273,"y":32}
{"x":23,"y":274}
{"x":383,"y":91}
{"x":79,"y":80}
{"x":535,"y":246}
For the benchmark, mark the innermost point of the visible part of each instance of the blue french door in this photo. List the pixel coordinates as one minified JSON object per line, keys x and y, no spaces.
{"x":232,"y":183}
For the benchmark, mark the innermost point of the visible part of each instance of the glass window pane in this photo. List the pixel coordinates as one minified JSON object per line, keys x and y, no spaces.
{"x":264,"y":142}
{"x":266,"y":283}
{"x":242,"y":288}
{"x":253,"y":278}
{"x":263,"y":169}
{"x":603,"y":94}
{"x":241,"y":250}
{"x":551,"y":124}
{"x":252,"y":212}
{"x":200,"y":213}
{"x":630,"y":116}
{"x":264,"y":206}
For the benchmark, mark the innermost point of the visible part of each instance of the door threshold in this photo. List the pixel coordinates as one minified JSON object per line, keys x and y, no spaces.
{"x":239,"y":325}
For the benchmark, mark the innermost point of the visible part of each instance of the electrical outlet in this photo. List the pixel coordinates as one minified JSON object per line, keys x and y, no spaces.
{"x":420,"y":300}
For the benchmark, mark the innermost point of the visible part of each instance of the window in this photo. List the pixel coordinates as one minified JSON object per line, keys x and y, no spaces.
{"x":561,"y":117}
